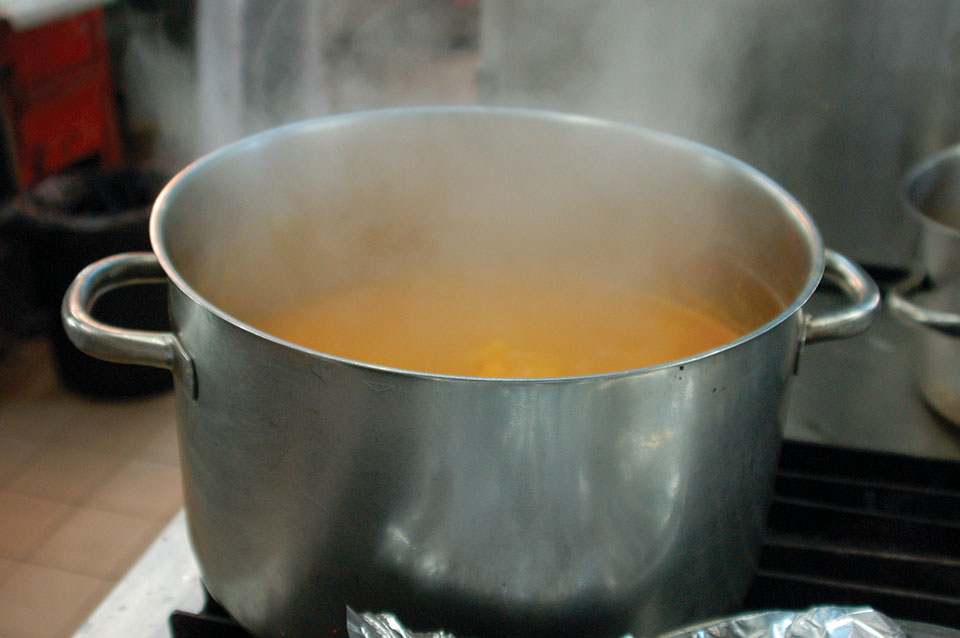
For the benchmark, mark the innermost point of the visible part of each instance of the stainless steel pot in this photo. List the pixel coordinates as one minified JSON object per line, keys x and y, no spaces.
{"x":600,"y":504}
{"x":930,"y":296}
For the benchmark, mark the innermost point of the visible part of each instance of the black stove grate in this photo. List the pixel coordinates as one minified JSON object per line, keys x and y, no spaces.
{"x":863,"y":528}
{"x":847,"y":527}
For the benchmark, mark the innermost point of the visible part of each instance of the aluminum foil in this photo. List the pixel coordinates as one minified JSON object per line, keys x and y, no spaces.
{"x":816,"y":622}
{"x":369,"y":625}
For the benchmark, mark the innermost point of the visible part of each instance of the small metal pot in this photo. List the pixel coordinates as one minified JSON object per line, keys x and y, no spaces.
{"x":930,"y":296}
{"x":629,"y":501}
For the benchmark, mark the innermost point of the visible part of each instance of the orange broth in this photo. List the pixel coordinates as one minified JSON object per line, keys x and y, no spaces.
{"x":505,"y":327}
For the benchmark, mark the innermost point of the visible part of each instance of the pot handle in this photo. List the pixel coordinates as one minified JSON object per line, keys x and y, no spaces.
{"x":856,"y":318}
{"x":122,"y":345}
{"x":900,"y":305}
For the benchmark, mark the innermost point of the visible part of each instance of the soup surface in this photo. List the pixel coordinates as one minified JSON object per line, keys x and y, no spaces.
{"x":498,"y":326}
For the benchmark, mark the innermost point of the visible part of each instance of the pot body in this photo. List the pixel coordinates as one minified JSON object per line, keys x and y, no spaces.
{"x":595,"y":505}
{"x":630,"y":501}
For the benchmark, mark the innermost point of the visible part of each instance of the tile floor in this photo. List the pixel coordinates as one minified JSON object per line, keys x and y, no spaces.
{"x":85,"y":486}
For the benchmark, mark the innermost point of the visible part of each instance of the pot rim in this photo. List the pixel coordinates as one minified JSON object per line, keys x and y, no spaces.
{"x":797,"y":214}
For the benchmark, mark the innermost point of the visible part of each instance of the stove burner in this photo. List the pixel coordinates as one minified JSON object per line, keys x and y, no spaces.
{"x":847,"y":527}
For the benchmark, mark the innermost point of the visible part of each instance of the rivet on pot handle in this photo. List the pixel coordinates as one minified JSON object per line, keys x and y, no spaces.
{"x":850,"y":321}
{"x":122,"y":345}
{"x":902,"y":308}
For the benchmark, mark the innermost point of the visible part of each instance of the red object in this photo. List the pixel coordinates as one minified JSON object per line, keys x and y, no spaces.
{"x":56,"y":97}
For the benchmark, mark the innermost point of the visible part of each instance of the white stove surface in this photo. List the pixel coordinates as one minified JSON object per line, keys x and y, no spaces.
{"x":164,"y":579}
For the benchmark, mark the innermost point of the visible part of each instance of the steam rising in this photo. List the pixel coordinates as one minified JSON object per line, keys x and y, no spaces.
{"x":263,"y":63}
{"x":664,"y":65}
{"x":833,"y":100}
{"x":258,"y":64}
